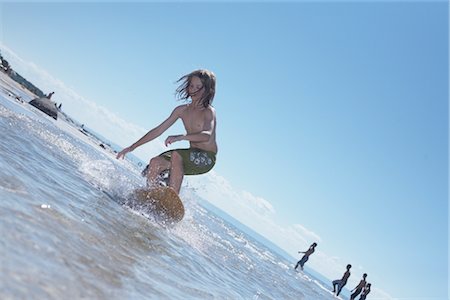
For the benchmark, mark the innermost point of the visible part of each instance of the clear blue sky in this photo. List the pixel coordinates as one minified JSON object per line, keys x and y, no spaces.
{"x":332,"y":114}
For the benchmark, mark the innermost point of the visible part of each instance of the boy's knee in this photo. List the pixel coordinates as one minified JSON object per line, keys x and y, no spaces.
{"x":157,"y":161}
{"x":176,"y":157}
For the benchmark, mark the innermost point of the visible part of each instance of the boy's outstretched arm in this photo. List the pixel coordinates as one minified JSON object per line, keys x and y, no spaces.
{"x":154,"y":133}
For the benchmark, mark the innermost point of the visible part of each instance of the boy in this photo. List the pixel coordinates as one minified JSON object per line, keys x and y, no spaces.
{"x":199,"y":120}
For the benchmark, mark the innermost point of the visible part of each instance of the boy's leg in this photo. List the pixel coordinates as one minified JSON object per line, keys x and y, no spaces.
{"x":340,"y":285}
{"x":303,"y":261}
{"x":339,"y":290}
{"x":334,"y":283}
{"x":157,"y":165}
{"x":176,"y":171}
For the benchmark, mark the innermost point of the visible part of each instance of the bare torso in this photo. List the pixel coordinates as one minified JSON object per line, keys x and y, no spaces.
{"x":197,"y":119}
{"x":361,"y":284}
{"x":346,"y":276}
{"x":309,"y":252}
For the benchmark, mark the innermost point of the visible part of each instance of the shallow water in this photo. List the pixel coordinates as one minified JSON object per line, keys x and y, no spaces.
{"x":64,"y":238}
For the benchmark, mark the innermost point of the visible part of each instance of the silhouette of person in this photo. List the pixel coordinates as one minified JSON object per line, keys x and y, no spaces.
{"x":49,"y":96}
{"x":365,"y":292}
{"x":305,"y":257}
{"x":340,"y":283}
{"x":359,"y":287}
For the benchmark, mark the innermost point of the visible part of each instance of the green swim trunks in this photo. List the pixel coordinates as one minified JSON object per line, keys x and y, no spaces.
{"x":195,"y":161}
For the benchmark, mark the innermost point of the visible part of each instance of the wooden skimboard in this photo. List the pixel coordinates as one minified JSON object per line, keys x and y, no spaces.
{"x":164,"y":202}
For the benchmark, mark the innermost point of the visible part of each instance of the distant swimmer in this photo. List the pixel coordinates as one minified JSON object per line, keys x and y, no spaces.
{"x":305,"y":257}
{"x":365,"y":292}
{"x":340,"y":283}
{"x":359,"y":287}
{"x":199,"y":120}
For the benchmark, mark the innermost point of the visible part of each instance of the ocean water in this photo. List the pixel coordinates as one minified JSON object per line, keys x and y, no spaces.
{"x":63,"y":237}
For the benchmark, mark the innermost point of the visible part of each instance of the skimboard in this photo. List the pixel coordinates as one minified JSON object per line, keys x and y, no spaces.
{"x":164,"y":202}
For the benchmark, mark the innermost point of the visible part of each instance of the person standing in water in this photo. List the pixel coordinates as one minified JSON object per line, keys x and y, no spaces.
{"x":199,"y":120}
{"x":305,"y":257}
{"x":340,"y":283}
{"x":365,"y":292}
{"x":359,"y":287}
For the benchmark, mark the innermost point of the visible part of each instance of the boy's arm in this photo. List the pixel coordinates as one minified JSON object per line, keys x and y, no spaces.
{"x":356,"y":287}
{"x":154,"y":133}
{"x":157,"y":131}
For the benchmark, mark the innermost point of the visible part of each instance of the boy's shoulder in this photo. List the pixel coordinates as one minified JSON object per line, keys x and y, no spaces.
{"x":180,"y":108}
{"x":211,"y":109}
{"x":210,"y":112}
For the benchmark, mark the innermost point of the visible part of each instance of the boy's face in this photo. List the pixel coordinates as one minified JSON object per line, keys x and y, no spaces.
{"x":196,"y":89}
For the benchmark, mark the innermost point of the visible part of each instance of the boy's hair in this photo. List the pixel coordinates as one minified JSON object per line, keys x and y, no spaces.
{"x":209,"y":84}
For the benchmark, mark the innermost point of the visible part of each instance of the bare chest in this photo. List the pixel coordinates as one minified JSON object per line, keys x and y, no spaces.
{"x":194,"y":120}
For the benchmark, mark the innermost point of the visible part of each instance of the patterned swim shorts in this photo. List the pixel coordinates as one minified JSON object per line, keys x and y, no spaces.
{"x":195,"y":161}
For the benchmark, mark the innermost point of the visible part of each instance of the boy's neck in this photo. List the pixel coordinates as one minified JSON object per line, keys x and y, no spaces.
{"x":196,"y":104}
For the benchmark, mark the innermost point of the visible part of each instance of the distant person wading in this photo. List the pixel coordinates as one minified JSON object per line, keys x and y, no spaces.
{"x":340,"y":283}
{"x":305,"y":257}
{"x":357,"y":290}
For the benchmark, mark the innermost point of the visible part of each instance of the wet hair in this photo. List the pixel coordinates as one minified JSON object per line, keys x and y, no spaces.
{"x":208,"y":80}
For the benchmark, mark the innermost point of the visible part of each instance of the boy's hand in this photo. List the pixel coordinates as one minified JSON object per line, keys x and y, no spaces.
{"x":122,"y":153}
{"x":173,"y":138}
